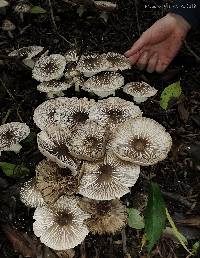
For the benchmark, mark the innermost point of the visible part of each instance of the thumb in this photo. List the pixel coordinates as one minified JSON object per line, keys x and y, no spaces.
{"x":137,"y":46}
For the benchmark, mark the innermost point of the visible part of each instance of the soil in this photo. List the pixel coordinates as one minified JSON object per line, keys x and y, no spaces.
{"x":177,"y":175}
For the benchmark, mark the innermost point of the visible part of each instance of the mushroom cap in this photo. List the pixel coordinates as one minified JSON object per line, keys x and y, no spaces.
{"x":27,"y":52}
{"x":53,"y":144}
{"x":30,"y":195}
{"x":139,"y":90}
{"x":104,"y":84}
{"x":22,"y":8}
{"x":107,"y":217}
{"x":114,"y":111}
{"x":61,"y":226}
{"x":89,"y":142}
{"x":11,"y":134}
{"x":3,"y":3}
{"x":142,"y":141}
{"x":53,"y":86}
{"x":69,"y":111}
{"x":7,"y":25}
{"x":108,"y":179}
{"x":117,"y":62}
{"x":53,"y":181}
{"x":71,"y":55}
{"x":91,"y":64}
{"x":105,"y":6}
{"x":48,"y":68}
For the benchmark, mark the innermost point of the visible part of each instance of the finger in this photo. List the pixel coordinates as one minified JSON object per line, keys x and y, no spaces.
{"x":138,"y":45}
{"x":134,"y":58}
{"x":143,"y":60}
{"x":152,"y":63}
{"x":160,"y":67}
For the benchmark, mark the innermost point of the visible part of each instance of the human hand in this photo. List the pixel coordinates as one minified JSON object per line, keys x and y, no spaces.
{"x":159,"y":44}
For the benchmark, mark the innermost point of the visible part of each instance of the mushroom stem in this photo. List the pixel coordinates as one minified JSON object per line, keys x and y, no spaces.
{"x":21,"y":15}
{"x":139,"y":99}
{"x":51,"y":94}
{"x":29,"y":62}
{"x":16,"y":148}
{"x":81,"y":10}
{"x":10,"y":34}
{"x":104,"y":15}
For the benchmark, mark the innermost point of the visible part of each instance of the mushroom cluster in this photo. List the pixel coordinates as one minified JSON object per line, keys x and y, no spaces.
{"x":93,"y":152}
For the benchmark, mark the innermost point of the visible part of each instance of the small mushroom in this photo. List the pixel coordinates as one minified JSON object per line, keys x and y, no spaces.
{"x":22,"y":8}
{"x":61,"y":226}
{"x":139,"y":90}
{"x":105,"y":7}
{"x":104,"y":84}
{"x":92,"y":64}
{"x":11,"y":134}
{"x":28,"y":53}
{"x":117,"y":62}
{"x":88,"y":142}
{"x":30,"y":195}
{"x":71,"y":55}
{"x":107,"y":179}
{"x":53,"y":181}
{"x":142,"y":141}
{"x":48,"y":68}
{"x":53,"y":88}
{"x":3,"y":5}
{"x":107,"y":217}
{"x":71,"y":73}
{"x":8,"y":26}
{"x":113,"y":111}
{"x":53,"y":144}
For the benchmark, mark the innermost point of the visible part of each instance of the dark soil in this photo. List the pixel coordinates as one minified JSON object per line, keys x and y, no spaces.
{"x":178,"y":175}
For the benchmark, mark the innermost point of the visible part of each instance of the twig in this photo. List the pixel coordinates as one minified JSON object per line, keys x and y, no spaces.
{"x":191,"y":51}
{"x":54,"y":24}
{"x":8,"y":91}
{"x":137,"y":16}
{"x":125,"y":250}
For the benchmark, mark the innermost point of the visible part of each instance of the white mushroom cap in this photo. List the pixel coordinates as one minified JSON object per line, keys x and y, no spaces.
{"x":71,"y":55}
{"x":48,"y":68}
{"x":63,"y":110}
{"x":61,"y":226}
{"x":53,"y":181}
{"x":91,"y":64}
{"x":107,"y":217}
{"x":105,"y":5}
{"x":53,"y":87}
{"x":139,"y":90}
{"x":30,"y":195}
{"x":104,"y":84}
{"x":11,"y":134}
{"x":117,"y":62}
{"x":22,"y":8}
{"x":114,"y":111}
{"x":89,"y":142}
{"x":27,"y":52}
{"x":53,"y":144}
{"x":7,"y":25}
{"x":3,"y":3}
{"x":108,"y":179}
{"x":142,"y":141}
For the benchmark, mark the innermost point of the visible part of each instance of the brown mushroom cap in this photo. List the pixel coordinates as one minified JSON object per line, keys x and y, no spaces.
{"x":104,"y":84}
{"x":114,"y":111}
{"x":7,"y":25}
{"x":139,"y":90}
{"x":69,"y":111}
{"x":117,"y":62}
{"x":22,"y":8}
{"x":89,"y":142}
{"x":27,"y":52}
{"x":108,"y":179}
{"x":61,"y":226}
{"x":142,"y":141}
{"x":48,"y":68}
{"x":11,"y":134}
{"x":53,"y":86}
{"x":107,"y":217}
{"x":30,"y":194}
{"x":53,"y":144}
{"x":53,"y":181}
{"x":107,"y":6}
{"x":92,"y":64}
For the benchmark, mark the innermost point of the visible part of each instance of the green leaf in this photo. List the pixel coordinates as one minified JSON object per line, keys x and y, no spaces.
{"x":178,"y":235}
{"x":169,"y":93}
{"x":195,"y":247}
{"x":37,"y":10}
{"x":155,"y":215}
{"x":135,"y":220}
{"x":13,"y":170}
